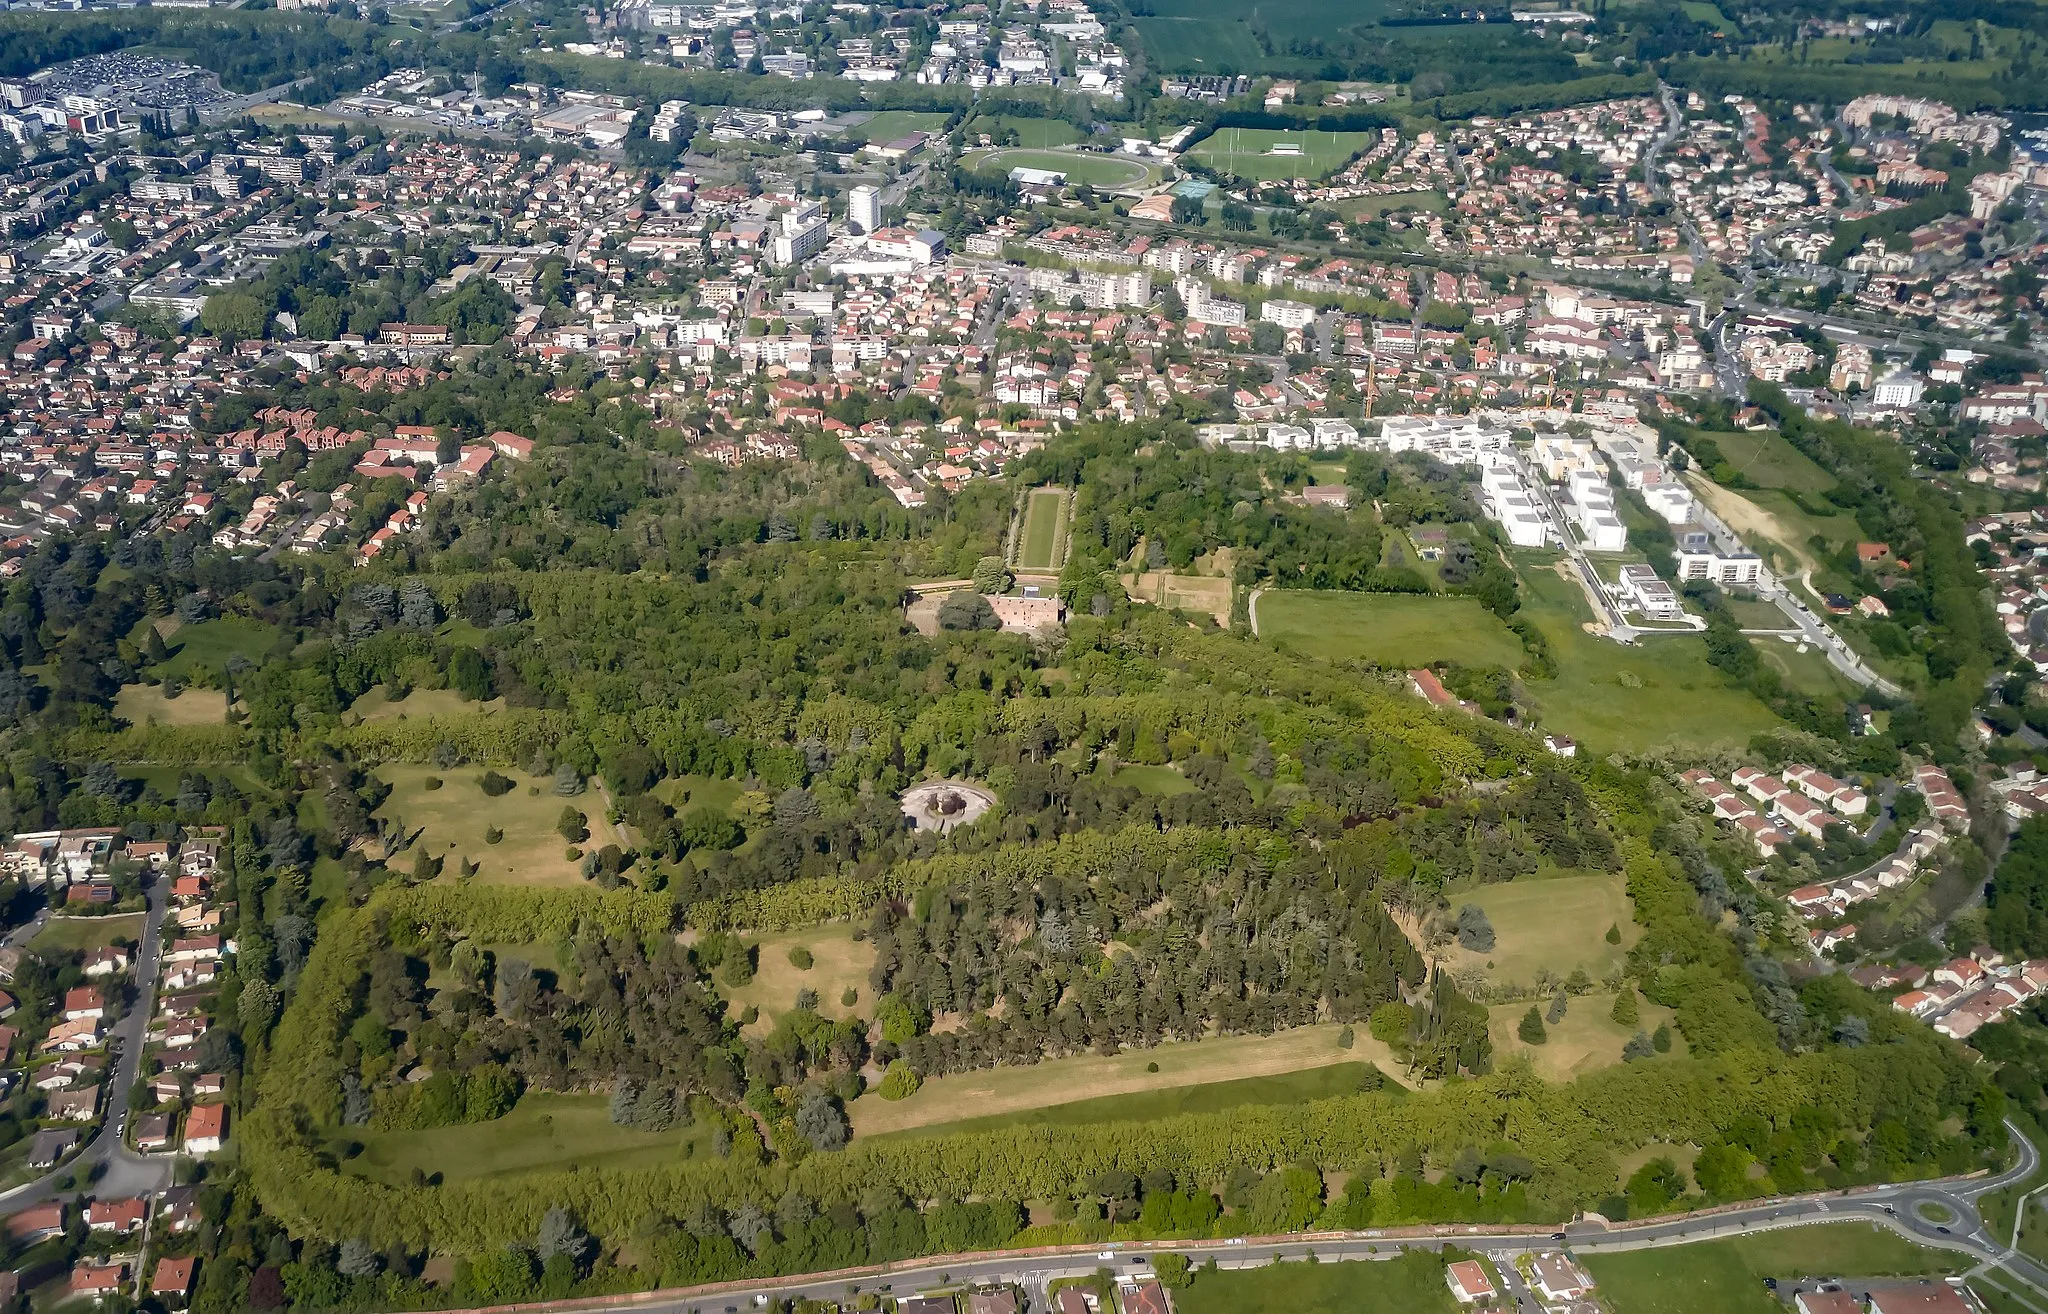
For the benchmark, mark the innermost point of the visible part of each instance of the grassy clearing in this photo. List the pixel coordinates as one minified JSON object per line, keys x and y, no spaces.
{"x":1188,"y":592}
{"x":1261,"y":153}
{"x":837,"y":962}
{"x":686,"y":792}
{"x":1768,"y":460}
{"x":1154,"y":779}
{"x":1411,"y":1283}
{"x":544,"y":1132}
{"x":1559,"y":923}
{"x":888,"y":125}
{"x":1211,"y":1097}
{"x":1026,"y":1091}
{"x":62,"y":935}
{"x":1045,"y":514}
{"x":451,"y":822}
{"x":1808,"y":672}
{"x":1585,"y":1041}
{"x":1727,"y":1276}
{"x":1660,"y":694}
{"x":1032,"y":134}
{"x":209,"y":644}
{"x":1388,"y":629}
{"x":145,"y":704}
{"x":377,"y":704}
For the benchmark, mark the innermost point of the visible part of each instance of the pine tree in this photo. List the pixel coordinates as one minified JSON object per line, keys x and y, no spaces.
{"x":1625,"y":1011}
{"x":1531,"y":1031}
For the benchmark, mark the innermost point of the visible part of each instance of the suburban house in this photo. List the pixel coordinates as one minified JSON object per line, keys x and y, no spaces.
{"x":97,"y":1280}
{"x":206,"y":1129}
{"x":1469,"y":1282}
{"x":1557,"y":1279}
{"x":173,"y":1278}
{"x":75,"y":1105}
{"x":38,"y":1222}
{"x":123,"y":1215}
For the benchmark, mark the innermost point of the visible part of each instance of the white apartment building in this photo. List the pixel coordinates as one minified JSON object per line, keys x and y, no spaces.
{"x":1742,"y":570}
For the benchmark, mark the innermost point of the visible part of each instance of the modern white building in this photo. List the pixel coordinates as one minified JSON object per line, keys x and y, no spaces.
{"x":1288,"y":314}
{"x":1590,"y":502}
{"x":1507,"y":500}
{"x":864,"y":209}
{"x":1899,"y":388}
{"x":1745,"y":569}
{"x":802,"y":234}
{"x":1640,"y":588}
{"x":1673,"y":502}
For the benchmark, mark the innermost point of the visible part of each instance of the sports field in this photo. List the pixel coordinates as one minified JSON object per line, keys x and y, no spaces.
{"x":1262,"y":153}
{"x":1079,"y":166}
{"x":888,"y":125}
{"x":1045,"y":523}
{"x":1032,"y":134}
{"x":1291,"y":1088}
{"x":1557,"y":922}
{"x":1388,"y":629}
{"x":1658,"y":694}
{"x":543,"y":1132}
{"x":1726,"y":1277}
{"x":1027,"y":1091}
{"x":453,"y":822}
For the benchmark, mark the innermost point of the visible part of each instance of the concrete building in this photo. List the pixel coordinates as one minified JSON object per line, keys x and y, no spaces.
{"x":864,"y":209}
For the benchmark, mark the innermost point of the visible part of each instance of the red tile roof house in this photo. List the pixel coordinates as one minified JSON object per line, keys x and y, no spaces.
{"x":206,"y":1129}
{"x":174,"y":1277}
{"x":97,"y":1280}
{"x":38,"y":1222}
{"x":124,"y":1215}
{"x":1469,"y":1282}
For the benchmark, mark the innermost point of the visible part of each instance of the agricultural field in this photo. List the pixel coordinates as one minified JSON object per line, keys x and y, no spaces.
{"x":838,"y":964}
{"x":543,"y":1132}
{"x":1387,"y":629}
{"x":144,"y":704}
{"x":1032,"y":134}
{"x":1027,"y":1091}
{"x":1585,"y":1040}
{"x":1096,"y":170}
{"x":1659,"y":694}
{"x":1215,"y":36}
{"x":1270,"y":153}
{"x":1554,"y":922}
{"x":1213,"y":1097}
{"x":1411,"y":1282}
{"x":69,"y":934}
{"x":451,"y":823}
{"x":1726,"y":1277}
{"x":1044,"y":530}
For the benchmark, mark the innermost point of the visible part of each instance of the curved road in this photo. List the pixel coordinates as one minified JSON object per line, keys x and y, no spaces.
{"x":116,"y":1170}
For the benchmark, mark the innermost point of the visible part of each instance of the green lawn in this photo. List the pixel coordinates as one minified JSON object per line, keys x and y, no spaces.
{"x":888,"y":125}
{"x":453,"y":822}
{"x":209,"y":644}
{"x":686,"y":792}
{"x":145,"y":704}
{"x":1388,"y":629}
{"x":1145,"y":1106}
{"x":1412,"y":1283}
{"x":1726,"y":1277}
{"x":543,"y":1132}
{"x":1558,"y":922}
{"x":1262,"y":153}
{"x":1659,"y":694}
{"x":1768,"y":460}
{"x":69,"y":934}
{"x":838,"y":961}
{"x":1044,"y":512}
{"x":1032,"y":134}
{"x":1806,"y":672}
{"x":1154,"y":779}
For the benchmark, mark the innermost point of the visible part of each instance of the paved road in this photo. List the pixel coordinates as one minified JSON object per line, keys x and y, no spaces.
{"x":118,"y":1171}
{"x":1894,"y":1207}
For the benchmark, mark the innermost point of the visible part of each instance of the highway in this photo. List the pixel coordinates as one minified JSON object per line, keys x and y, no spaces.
{"x":1897,"y":1207}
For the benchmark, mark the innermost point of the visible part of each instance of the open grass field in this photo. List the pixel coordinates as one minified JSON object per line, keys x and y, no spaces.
{"x":377,"y":704}
{"x":543,"y":1132}
{"x":1163,"y":588}
{"x":685,"y":792}
{"x":1154,"y":779}
{"x":1388,"y":629}
{"x":1412,"y":1283}
{"x":1585,"y":1041}
{"x":208,"y":644}
{"x":1262,"y":153}
{"x":1211,"y":1097}
{"x":1808,"y":672}
{"x":1043,"y":530}
{"x":1002,"y":1093}
{"x":888,"y":125}
{"x":1611,"y":698}
{"x":1726,"y":1277}
{"x":1080,"y":167}
{"x":69,"y":934}
{"x":1766,"y":459}
{"x":1032,"y":134}
{"x":1756,"y":614}
{"x":1776,"y":528}
{"x":145,"y":704}
{"x":1199,"y":45}
{"x":451,"y":822}
{"x":837,"y":962}
{"x":1558,"y":922}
